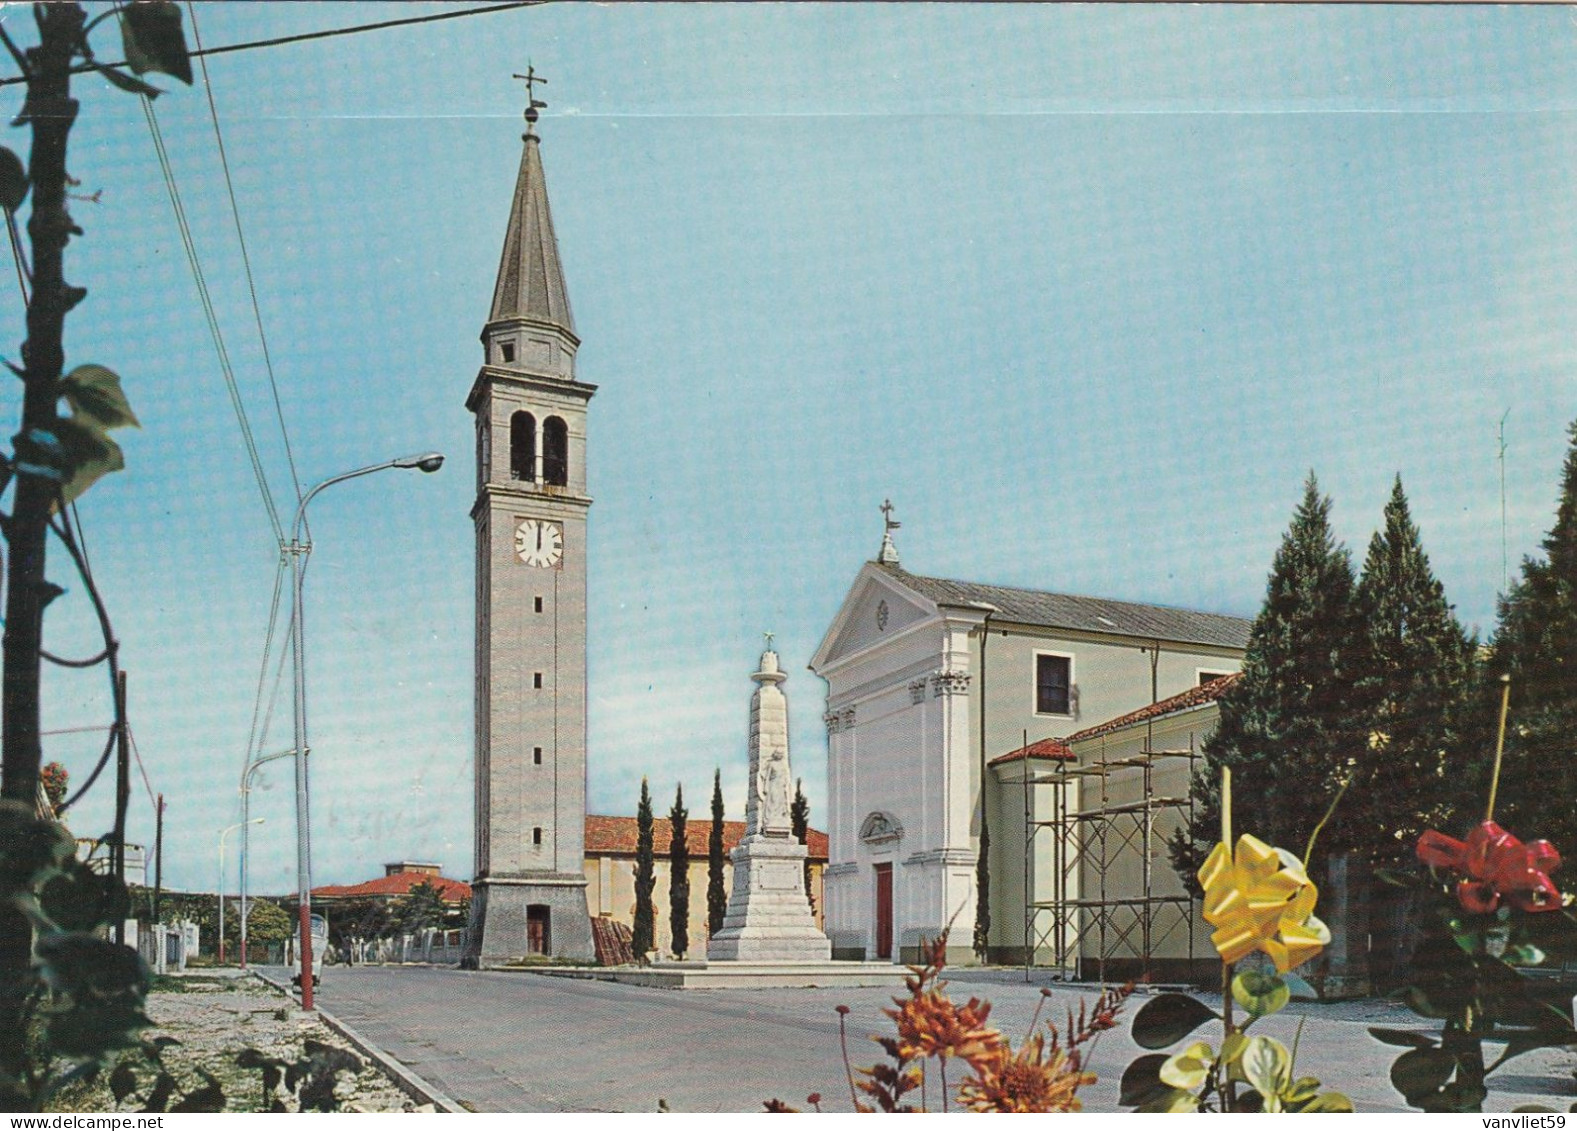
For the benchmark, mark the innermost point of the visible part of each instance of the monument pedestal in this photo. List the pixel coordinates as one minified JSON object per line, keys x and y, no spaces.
{"x":769,"y":918}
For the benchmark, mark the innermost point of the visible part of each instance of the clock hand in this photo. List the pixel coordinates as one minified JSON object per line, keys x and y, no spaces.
{"x":539,"y":538}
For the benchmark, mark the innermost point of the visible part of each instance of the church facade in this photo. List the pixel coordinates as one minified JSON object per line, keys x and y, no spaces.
{"x":929,"y":681}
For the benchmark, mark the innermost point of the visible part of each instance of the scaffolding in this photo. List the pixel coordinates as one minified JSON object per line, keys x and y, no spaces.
{"x":1090,"y":839}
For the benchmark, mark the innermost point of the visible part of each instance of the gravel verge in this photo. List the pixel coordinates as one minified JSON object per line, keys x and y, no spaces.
{"x":218,"y":1015}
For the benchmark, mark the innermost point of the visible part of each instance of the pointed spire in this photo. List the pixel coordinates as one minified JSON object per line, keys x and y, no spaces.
{"x":530,"y":283}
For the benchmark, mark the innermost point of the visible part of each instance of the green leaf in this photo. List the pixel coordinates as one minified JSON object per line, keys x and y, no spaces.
{"x":1168,"y":1018}
{"x":127,"y":83}
{"x":1330,"y":1102}
{"x":1260,"y":993}
{"x":1518,"y":1043}
{"x":1141,"y":1080}
{"x":152,"y":36}
{"x":91,"y":453}
{"x":13,"y":180}
{"x":31,"y":849}
{"x":1403,"y":1038}
{"x":1189,"y":1068}
{"x":95,"y":396}
{"x":1172,"y":1100}
{"x":1422,"y":1073}
{"x":1266,"y":1066}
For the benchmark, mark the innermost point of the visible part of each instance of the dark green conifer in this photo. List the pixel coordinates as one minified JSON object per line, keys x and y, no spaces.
{"x":644,"y":930}
{"x":716,"y":895}
{"x":1285,"y":726}
{"x":1536,"y":645}
{"x":1411,"y":667}
{"x":679,"y":877}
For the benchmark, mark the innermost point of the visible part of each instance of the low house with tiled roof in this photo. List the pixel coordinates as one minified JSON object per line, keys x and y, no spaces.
{"x":610,"y":870}
{"x":396,"y":883}
{"x":931,"y":679}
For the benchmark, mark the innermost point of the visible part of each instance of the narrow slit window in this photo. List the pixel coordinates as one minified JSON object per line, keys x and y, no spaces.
{"x":536,"y":836}
{"x":536,"y":679}
{"x":506,"y":352}
{"x":539,"y":604}
{"x":536,"y":755}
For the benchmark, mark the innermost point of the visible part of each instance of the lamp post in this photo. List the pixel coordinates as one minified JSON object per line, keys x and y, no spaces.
{"x":224,"y":833}
{"x":246,"y":840}
{"x":298,"y":550}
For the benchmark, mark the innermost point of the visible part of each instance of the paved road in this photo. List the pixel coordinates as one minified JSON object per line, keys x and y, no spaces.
{"x":528,"y":1042}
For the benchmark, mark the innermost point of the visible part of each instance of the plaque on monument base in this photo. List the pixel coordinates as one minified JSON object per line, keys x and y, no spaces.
{"x":514,"y":917}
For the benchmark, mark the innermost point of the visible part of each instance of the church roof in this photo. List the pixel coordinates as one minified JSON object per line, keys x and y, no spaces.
{"x":1087,"y":614}
{"x":530,"y":279}
{"x":615,"y":836}
{"x":1049,"y":749}
{"x":1185,"y":701}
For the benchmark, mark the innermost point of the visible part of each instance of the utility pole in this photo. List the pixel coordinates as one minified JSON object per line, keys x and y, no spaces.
{"x":158,"y":857}
{"x":122,"y":795}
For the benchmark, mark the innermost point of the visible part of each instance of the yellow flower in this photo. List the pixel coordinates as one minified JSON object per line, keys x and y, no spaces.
{"x":1260,"y":898}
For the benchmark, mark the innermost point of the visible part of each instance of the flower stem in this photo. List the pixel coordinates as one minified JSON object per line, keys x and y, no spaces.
{"x":1500,"y":746}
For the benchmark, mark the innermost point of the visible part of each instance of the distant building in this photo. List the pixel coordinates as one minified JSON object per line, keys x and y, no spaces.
{"x":96,"y":855}
{"x":396,"y":882}
{"x":610,"y":872}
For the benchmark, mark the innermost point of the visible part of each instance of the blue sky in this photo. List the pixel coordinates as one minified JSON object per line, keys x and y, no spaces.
{"x":1086,"y":290}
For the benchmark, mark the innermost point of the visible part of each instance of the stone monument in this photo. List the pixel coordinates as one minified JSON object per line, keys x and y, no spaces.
{"x":769,"y":917}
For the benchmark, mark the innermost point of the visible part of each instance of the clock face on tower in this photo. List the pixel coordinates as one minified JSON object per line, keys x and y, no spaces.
{"x":539,"y":543}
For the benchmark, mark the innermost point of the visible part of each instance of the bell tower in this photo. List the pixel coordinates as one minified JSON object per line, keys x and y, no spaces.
{"x":529,"y":895}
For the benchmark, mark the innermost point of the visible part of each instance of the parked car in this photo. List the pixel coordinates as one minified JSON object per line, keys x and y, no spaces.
{"x":319,"y":928}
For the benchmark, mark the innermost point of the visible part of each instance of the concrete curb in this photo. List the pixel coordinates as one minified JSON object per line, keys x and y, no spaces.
{"x":404,"y":1079}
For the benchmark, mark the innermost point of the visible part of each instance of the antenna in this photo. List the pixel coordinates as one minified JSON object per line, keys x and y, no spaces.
{"x":1501,"y":456}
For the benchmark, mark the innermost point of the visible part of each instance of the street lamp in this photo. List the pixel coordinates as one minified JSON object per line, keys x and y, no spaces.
{"x":246,"y":839}
{"x":224,"y":833}
{"x":298,"y":550}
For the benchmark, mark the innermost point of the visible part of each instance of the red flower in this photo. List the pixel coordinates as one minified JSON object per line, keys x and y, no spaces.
{"x":1497,"y":867}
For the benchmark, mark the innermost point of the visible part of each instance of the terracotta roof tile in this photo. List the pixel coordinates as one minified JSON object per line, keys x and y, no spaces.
{"x":1054,"y":749}
{"x":399,"y":884}
{"x":615,"y":836}
{"x":1193,"y":697}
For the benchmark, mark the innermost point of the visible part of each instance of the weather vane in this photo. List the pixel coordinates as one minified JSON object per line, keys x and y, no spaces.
{"x":887,"y":516}
{"x":769,"y":636}
{"x":533,"y":104}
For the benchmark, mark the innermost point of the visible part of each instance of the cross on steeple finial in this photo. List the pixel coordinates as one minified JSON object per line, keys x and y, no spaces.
{"x":889,"y":552}
{"x":533,"y":104}
{"x":769,"y":636}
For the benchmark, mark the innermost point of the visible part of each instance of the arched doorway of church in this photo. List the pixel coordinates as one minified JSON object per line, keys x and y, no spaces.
{"x":538,"y":929}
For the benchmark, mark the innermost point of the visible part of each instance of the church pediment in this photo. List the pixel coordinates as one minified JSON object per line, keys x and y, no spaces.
{"x":876,"y":609}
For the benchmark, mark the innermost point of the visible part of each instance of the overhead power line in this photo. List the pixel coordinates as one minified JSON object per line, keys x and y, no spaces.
{"x":330,"y":33}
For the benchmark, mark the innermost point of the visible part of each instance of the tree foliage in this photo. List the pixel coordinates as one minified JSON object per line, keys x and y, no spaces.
{"x":420,"y":908}
{"x":679,"y":876}
{"x":1285,"y":726}
{"x":644,"y":931}
{"x":716,"y":895}
{"x":266,"y":922}
{"x":1536,"y":645}
{"x":1410,"y":668}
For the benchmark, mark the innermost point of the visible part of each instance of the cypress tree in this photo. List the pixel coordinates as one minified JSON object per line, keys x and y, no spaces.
{"x":799,"y":818}
{"x":644,"y":932}
{"x":716,"y":896}
{"x":1285,"y":726}
{"x":679,"y":877}
{"x":1536,"y":645}
{"x":982,"y":936}
{"x":1411,"y":669}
